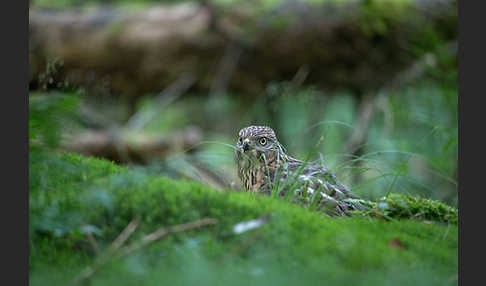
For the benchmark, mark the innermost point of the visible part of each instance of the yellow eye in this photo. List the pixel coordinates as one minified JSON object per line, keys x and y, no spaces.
{"x":240,"y":140}
{"x":263,"y":141}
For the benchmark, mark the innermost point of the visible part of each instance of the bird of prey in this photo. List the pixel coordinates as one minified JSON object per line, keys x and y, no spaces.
{"x":264,"y":167}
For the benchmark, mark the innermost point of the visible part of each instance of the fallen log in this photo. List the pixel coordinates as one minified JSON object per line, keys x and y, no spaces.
{"x":124,"y":146}
{"x":357,"y":45}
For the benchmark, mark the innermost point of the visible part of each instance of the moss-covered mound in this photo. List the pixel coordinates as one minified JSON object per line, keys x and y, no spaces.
{"x":79,"y":206}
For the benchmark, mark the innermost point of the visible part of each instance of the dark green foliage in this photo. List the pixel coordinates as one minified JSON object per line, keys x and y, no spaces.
{"x":47,"y":113}
{"x":71,"y":196}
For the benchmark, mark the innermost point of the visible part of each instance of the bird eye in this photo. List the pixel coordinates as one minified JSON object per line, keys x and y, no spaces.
{"x":263,"y":141}
{"x":240,"y":140}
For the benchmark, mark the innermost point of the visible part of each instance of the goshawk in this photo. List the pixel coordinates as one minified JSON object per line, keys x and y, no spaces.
{"x":264,"y":167}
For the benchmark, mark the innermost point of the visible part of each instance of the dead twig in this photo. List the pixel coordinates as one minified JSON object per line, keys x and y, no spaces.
{"x":149,"y":238}
{"x":362,"y":123}
{"x":369,"y":102}
{"x":93,"y":242}
{"x":227,"y":67}
{"x":167,"y":96}
{"x":101,"y":260}
{"x":115,"y":248}
{"x":124,"y":235}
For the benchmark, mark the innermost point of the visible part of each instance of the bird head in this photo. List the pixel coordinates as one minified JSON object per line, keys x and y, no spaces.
{"x":253,"y":141}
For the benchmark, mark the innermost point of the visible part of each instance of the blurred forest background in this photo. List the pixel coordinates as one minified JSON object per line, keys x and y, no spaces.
{"x":166,"y":86}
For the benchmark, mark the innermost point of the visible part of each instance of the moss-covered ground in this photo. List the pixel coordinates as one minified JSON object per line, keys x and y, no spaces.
{"x":79,"y":206}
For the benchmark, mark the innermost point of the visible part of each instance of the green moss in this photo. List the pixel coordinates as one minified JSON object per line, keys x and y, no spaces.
{"x":295,"y":246}
{"x":407,"y":206}
{"x":401,"y":206}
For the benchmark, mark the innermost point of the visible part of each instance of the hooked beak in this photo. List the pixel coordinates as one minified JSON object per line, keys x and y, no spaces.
{"x":246,"y":146}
